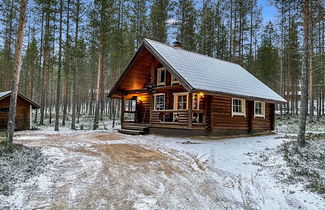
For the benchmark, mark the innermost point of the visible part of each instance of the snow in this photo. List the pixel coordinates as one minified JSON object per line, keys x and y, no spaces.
{"x":104,"y":169}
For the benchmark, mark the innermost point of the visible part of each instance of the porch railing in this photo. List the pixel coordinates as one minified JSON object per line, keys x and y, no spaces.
{"x":177,"y":116}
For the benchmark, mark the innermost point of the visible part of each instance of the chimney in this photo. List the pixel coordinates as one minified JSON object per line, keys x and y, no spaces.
{"x":177,"y":44}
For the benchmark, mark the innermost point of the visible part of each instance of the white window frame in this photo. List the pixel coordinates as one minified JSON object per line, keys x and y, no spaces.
{"x":198,"y":101}
{"x":176,"y":100}
{"x":174,"y":80}
{"x":155,"y":101}
{"x":263,"y":109}
{"x":243,"y":102}
{"x":159,"y":70}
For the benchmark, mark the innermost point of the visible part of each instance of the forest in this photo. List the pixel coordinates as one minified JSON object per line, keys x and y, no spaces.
{"x":69,"y":44}
{"x":61,"y":60}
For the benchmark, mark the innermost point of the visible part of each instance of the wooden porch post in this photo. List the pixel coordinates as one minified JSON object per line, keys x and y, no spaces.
{"x":190,"y":111}
{"x":122,"y":110}
{"x":151,"y":108}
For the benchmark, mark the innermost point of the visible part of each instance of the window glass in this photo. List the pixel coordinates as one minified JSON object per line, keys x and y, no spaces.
{"x":259,"y":108}
{"x":174,"y":80}
{"x":161,"y":76}
{"x":4,"y":109}
{"x":181,"y":102}
{"x":237,"y":106}
{"x":130,"y":105}
{"x":195,"y":101}
{"x":160,"y":102}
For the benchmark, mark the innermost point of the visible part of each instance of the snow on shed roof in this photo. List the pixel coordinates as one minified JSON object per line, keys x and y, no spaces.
{"x":213,"y":75}
{"x":7,"y":93}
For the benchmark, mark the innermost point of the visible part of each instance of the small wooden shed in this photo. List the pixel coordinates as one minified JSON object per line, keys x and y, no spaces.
{"x":23,"y":112}
{"x":171,"y":91}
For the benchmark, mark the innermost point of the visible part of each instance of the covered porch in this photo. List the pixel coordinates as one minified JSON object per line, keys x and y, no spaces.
{"x":142,"y":111}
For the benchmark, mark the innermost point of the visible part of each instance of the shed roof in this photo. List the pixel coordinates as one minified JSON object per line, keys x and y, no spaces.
{"x":7,"y":94}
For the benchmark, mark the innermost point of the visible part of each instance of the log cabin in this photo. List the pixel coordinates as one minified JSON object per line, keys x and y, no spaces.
{"x":167,"y":90}
{"x":23,"y":111}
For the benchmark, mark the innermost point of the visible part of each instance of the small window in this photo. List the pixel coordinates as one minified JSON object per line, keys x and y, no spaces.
{"x":130,"y":105}
{"x":259,"y":109}
{"x":161,"y":76}
{"x":159,"y":101}
{"x":174,"y":80}
{"x":238,"y":107}
{"x":4,"y":109}
{"x":196,"y":101}
{"x":180,"y":101}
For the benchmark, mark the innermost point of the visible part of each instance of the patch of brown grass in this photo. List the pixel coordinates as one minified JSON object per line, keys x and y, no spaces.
{"x":108,"y":136}
{"x":131,"y":153}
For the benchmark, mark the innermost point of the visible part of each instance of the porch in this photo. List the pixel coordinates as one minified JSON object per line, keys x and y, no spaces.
{"x":142,"y":113}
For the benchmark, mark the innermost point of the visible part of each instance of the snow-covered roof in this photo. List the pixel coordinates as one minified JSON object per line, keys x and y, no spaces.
{"x":7,"y":93}
{"x":3,"y":94}
{"x":204,"y":73}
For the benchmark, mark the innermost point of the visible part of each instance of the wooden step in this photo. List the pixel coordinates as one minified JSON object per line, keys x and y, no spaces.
{"x":131,"y":132}
{"x":135,"y":127}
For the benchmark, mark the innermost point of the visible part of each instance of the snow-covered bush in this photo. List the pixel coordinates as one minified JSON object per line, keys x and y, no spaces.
{"x":307,"y":164}
{"x":19,"y":165}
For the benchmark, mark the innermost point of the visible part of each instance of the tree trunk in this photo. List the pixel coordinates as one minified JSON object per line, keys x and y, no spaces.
{"x":75,"y":69}
{"x":58,"y":86}
{"x":47,"y":52}
{"x":100,"y":84}
{"x":15,"y":82}
{"x":66,"y":68}
{"x":304,"y":76}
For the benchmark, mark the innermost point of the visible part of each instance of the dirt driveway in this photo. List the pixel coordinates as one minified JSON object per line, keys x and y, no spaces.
{"x":112,"y":171}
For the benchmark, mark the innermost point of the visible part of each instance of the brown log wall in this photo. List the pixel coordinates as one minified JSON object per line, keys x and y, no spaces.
{"x":221,"y":118}
{"x":143,"y":109}
{"x":22,"y":114}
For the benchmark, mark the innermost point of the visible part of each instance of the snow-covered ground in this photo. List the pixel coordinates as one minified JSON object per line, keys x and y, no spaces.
{"x":107,"y":170}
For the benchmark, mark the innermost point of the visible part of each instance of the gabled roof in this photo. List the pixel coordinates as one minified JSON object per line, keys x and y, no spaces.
{"x":203,"y":73}
{"x":7,"y":94}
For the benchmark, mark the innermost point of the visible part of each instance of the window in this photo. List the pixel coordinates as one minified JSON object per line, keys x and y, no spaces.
{"x":161,"y":76}
{"x":238,"y":107}
{"x":4,"y":109}
{"x":159,"y":103}
{"x":130,"y":105}
{"x":259,"y":109}
{"x":174,"y":81}
{"x":180,"y":101}
{"x":196,"y":101}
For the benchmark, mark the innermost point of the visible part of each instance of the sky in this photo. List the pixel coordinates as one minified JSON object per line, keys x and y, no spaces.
{"x":268,"y":11}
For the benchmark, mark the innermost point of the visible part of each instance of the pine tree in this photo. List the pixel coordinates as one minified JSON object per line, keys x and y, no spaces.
{"x":267,"y":58}
{"x":186,"y":14}
{"x":103,"y":8}
{"x":138,"y":20}
{"x":16,"y":75}
{"x":304,"y":74}
{"x":158,"y":17}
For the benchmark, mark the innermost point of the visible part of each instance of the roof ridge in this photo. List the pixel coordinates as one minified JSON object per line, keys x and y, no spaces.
{"x":191,"y":52}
